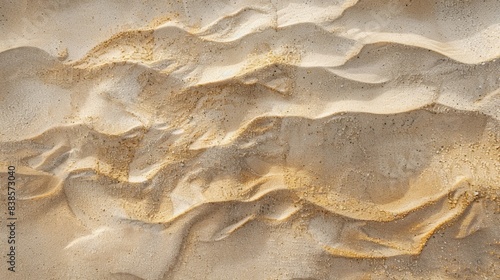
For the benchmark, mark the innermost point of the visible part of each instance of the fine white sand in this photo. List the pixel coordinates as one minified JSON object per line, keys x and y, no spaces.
{"x":251,"y":139}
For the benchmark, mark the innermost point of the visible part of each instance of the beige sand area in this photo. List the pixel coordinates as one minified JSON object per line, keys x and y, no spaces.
{"x":251,"y":139}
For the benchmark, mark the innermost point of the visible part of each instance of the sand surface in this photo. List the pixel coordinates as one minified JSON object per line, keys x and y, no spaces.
{"x":251,"y":139}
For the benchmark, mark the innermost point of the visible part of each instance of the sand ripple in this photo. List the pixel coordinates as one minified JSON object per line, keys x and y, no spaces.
{"x":353,"y":129}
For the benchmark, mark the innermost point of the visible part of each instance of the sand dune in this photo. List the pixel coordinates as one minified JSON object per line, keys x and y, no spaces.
{"x":252,"y":139}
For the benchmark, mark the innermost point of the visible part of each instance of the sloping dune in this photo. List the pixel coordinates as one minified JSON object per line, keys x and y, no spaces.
{"x":251,"y":139}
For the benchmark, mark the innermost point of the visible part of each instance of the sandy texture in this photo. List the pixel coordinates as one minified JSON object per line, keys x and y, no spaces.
{"x":251,"y":139}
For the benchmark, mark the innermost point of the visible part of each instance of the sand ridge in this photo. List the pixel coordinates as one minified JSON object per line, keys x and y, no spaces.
{"x":193,"y":140}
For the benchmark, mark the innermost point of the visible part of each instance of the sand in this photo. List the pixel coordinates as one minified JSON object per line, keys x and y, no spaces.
{"x":250,"y":139}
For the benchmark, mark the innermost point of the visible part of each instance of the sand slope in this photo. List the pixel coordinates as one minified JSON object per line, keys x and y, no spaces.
{"x":253,"y":139}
